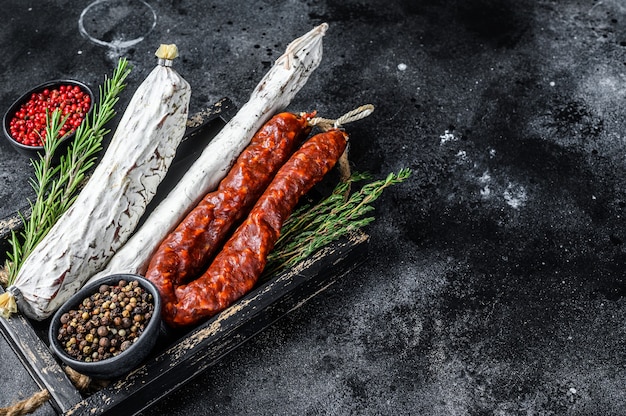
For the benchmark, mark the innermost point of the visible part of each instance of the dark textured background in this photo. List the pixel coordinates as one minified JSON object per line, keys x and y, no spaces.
{"x":495,"y":283}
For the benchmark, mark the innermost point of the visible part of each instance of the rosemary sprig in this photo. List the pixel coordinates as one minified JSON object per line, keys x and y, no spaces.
{"x":311,"y":227}
{"x":56,"y":186}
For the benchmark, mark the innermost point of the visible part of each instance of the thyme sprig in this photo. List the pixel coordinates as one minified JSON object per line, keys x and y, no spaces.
{"x":311,"y":227}
{"x":56,"y":186}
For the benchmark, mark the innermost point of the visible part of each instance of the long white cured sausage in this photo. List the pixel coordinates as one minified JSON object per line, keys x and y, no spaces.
{"x":275,"y":91}
{"x":110,"y":205}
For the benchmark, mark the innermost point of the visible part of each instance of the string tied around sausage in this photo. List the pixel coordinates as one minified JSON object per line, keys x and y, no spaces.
{"x":325,"y":124}
{"x":300,"y":43}
{"x":358,"y":113}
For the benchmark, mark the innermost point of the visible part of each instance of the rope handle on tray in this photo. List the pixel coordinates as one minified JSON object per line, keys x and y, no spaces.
{"x":26,"y":406}
{"x":38,"y":399}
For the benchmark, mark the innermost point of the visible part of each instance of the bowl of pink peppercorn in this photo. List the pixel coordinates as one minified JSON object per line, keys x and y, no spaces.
{"x":24,"y":123}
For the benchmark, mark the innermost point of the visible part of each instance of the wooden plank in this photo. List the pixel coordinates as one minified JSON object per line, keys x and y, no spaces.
{"x":206,"y":344}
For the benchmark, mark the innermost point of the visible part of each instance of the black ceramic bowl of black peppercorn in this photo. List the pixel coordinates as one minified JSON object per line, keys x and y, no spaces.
{"x":109,"y":327}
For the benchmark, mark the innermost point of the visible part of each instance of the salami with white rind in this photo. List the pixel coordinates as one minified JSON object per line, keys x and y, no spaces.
{"x":109,"y":207}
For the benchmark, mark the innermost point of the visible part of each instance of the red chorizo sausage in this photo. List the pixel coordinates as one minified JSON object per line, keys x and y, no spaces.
{"x":186,"y":252}
{"x":236,"y":268}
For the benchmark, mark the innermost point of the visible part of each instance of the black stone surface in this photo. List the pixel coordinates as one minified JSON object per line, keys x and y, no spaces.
{"x":495,"y":284}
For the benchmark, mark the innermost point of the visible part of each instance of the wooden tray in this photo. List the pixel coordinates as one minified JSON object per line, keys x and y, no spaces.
{"x":178,"y":357}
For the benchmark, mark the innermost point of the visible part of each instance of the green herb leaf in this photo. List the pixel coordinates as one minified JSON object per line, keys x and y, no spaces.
{"x":57,"y":186}
{"x":309,"y":228}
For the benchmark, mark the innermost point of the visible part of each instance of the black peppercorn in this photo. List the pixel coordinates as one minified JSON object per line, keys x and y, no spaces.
{"x":103,"y":331}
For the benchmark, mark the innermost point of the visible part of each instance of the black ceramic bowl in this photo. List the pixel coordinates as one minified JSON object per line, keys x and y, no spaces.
{"x":34,"y":151}
{"x":126,"y":360}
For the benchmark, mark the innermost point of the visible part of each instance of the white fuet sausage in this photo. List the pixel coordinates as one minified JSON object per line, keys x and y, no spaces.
{"x":108,"y":209}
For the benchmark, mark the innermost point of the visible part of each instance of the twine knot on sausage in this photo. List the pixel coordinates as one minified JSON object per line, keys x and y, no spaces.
{"x":300,"y":45}
{"x":358,"y":113}
{"x":326,"y":124}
